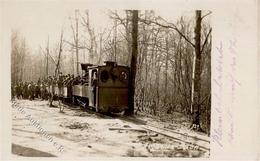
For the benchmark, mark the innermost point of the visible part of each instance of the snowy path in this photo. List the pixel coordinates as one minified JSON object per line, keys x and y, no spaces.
{"x":39,"y":130}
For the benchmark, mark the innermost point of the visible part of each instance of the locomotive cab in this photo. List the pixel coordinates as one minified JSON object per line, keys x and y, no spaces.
{"x":108,"y":87}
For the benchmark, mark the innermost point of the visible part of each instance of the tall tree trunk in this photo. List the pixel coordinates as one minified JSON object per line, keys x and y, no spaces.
{"x":115,"y":39}
{"x":93,"y":44}
{"x":100,"y":49}
{"x":47,"y":59}
{"x":57,"y":70}
{"x":131,"y":94}
{"x":72,"y":60}
{"x":77,"y":41}
{"x":197,"y":69}
{"x":166,"y":69}
{"x":156,"y":107}
{"x":145,"y":52}
{"x":128,"y":35}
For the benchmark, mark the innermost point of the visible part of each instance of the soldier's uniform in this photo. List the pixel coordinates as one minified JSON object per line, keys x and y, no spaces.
{"x":42,"y":91}
{"x":25,"y":91}
{"x":37,"y":89}
{"x":17,"y":90}
{"x":29,"y":90}
{"x":46,"y":88}
{"x":12,"y":91}
{"x":33,"y":89}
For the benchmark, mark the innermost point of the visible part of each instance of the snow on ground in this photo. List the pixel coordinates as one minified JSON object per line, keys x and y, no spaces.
{"x":175,"y":122}
{"x":39,"y":130}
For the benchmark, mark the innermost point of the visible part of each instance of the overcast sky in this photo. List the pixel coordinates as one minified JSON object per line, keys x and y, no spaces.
{"x":38,"y":20}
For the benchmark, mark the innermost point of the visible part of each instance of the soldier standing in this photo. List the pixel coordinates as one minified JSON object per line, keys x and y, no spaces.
{"x":25,"y":89}
{"x":12,"y":90}
{"x":23,"y":92}
{"x":41,"y":87}
{"x":37,"y":88}
{"x":45,"y":89}
{"x":33,"y":87}
{"x":16,"y":89}
{"x":30,"y":91}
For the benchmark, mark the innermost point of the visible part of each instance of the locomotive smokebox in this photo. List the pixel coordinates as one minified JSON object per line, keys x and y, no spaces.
{"x":110,"y":63}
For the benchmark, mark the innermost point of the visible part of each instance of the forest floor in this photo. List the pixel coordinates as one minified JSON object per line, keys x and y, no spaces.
{"x":42,"y":131}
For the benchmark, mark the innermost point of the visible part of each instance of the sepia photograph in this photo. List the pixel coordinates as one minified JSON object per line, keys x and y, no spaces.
{"x":106,"y":82}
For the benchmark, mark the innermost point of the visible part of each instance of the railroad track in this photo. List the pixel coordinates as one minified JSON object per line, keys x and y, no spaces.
{"x":192,"y":141}
{"x":181,"y":138}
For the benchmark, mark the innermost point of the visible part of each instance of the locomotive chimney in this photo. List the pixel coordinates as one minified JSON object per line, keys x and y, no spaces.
{"x":110,"y":63}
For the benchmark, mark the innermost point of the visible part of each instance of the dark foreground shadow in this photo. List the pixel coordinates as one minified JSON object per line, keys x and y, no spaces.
{"x":29,"y":152}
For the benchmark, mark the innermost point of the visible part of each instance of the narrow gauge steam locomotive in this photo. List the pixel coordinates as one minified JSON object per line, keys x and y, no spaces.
{"x":105,"y":88}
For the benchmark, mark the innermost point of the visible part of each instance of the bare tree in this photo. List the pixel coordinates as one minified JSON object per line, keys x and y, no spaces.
{"x":130,"y":111}
{"x":75,"y":44}
{"x":93,"y":43}
{"x":47,"y":58}
{"x":19,"y":52}
{"x":196,"y":70}
{"x":57,"y":69}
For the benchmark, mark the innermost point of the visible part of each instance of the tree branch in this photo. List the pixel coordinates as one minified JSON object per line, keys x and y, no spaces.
{"x":73,"y":30}
{"x":205,"y":41}
{"x":114,"y":15}
{"x":48,"y":54}
{"x":206,"y":15}
{"x":172,"y":26}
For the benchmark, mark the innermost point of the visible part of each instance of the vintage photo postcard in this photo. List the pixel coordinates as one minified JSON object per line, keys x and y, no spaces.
{"x":129,"y":80}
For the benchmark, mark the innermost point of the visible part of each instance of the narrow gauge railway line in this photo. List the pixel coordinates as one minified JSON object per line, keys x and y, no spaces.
{"x":179,"y":133}
{"x":192,"y":141}
{"x":179,"y":138}
{"x":195,"y":142}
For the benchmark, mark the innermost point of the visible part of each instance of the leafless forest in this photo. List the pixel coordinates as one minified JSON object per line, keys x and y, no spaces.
{"x":171,"y":60}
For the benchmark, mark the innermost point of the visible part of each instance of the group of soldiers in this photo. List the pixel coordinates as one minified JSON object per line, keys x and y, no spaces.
{"x":66,"y":80}
{"x":29,"y":90}
{"x":40,"y":89}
